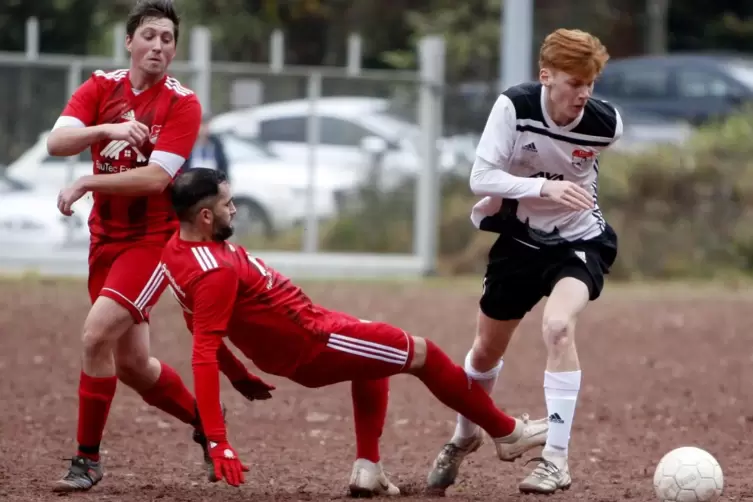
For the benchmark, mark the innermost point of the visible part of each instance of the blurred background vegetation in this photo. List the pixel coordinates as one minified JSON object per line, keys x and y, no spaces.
{"x":316,"y":30}
{"x":679,"y":212}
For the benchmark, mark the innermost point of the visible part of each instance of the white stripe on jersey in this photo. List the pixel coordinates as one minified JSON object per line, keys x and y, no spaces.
{"x":113,"y":75}
{"x":176,"y":86}
{"x":370,"y":350}
{"x":204,"y":256}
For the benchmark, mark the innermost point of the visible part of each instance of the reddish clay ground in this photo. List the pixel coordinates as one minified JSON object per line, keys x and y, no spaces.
{"x":660,"y":370}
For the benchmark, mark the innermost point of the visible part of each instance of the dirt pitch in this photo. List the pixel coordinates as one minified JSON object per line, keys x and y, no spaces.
{"x":661,"y":369}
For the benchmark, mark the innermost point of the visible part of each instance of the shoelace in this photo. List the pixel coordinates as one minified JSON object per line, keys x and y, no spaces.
{"x":78,"y":468}
{"x":545,"y":467}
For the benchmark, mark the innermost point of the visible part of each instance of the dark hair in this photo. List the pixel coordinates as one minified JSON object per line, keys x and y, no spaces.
{"x":194,"y":189}
{"x":145,"y":9}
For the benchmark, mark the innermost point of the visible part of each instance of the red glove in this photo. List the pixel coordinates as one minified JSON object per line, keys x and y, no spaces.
{"x":253,"y":388}
{"x":226,"y":463}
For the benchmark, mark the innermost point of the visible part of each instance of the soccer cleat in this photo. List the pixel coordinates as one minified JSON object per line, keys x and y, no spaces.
{"x":447,"y":464}
{"x":200,"y":439}
{"x":81,"y":476}
{"x":368,"y":479}
{"x":528,"y":434}
{"x":546,"y":478}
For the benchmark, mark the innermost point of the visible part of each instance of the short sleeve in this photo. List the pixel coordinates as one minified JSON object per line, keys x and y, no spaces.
{"x":178,"y":135}
{"x":498,"y":138}
{"x":81,"y":108}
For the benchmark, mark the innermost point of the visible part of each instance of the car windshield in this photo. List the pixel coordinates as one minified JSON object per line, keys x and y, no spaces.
{"x":244,"y":150}
{"x":391,"y":126}
{"x":742,"y":71}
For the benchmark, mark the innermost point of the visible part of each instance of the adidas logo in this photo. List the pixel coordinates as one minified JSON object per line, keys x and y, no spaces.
{"x":128,"y":116}
{"x":530,"y":147}
{"x":555,"y":418}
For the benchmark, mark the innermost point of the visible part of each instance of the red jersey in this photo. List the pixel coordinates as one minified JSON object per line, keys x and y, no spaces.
{"x":223,"y":290}
{"x":173,"y":115}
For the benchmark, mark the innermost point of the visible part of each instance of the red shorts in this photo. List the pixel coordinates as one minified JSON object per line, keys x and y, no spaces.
{"x":130,"y":274}
{"x":358,"y":350}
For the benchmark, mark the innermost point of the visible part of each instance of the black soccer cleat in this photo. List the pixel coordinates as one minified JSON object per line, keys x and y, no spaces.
{"x":83,"y":474}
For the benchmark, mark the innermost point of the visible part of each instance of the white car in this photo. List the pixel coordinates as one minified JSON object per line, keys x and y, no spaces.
{"x":270,"y":193}
{"x":354,"y":132}
{"x":30,"y":217}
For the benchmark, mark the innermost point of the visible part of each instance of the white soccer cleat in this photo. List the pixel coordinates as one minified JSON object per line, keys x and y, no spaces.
{"x":368,"y":479}
{"x":549,"y":476}
{"x":528,"y":434}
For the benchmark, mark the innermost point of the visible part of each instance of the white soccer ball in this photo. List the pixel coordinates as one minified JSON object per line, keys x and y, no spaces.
{"x":688,"y":474}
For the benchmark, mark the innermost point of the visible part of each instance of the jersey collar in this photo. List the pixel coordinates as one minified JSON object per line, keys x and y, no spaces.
{"x":157,"y":85}
{"x":549,"y":122}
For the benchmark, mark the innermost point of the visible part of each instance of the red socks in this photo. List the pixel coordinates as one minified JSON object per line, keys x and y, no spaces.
{"x":95,"y":397}
{"x":449,"y":383}
{"x":95,"y":394}
{"x":370,"y":399}
{"x":170,"y":395}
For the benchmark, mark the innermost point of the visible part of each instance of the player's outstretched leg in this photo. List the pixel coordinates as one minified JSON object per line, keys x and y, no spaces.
{"x":106,"y":323}
{"x":370,"y":399}
{"x":561,"y":385}
{"x":158,"y":384}
{"x":512,"y":437}
{"x":483,"y":364}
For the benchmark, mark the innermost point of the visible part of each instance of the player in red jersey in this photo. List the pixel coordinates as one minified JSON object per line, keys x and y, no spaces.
{"x":140,"y":124}
{"x":224,"y":291}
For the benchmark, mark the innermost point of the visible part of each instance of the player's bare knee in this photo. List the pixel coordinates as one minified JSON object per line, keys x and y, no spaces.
{"x":95,"y":344}
{"x":557,"y":331}
{"x":131,"y":366}
{"x":419,"y":353}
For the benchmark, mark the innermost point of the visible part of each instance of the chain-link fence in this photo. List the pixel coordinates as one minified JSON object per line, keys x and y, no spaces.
{"x":320,"y":159}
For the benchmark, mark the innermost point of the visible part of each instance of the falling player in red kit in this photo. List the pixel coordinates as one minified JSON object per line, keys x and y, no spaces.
{"x":224,"y":291}
{"x":140,"y":125}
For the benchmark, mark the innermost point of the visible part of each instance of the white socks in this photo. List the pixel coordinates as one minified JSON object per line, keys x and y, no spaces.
{"x":561,"y":393}
{"x":465,"y":429}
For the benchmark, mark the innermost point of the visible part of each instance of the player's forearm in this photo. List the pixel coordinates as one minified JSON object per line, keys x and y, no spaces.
{"x":207,"y":386}
{"x":230,"y":365}
{"x":487,"y":179}
{"x":145,"y":180}
{"x":67,"y":141}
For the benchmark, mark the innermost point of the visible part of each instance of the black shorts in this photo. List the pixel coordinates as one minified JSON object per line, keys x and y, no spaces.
{"x":519,"y":275}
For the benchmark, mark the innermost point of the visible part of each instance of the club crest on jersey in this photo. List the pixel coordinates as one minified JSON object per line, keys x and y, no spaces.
{"x":581,"y":158}
{"x":154,"y":134}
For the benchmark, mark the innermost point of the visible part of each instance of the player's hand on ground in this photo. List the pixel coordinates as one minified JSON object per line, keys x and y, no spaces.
{"x":68,"y":196}
{"x":568,"y":194}
{"x":226,"y":463}
{"x":135,"y":133}
{"x":254,"y":388}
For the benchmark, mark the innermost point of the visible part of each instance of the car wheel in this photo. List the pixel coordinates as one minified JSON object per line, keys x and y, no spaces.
{"x":251,"y":219}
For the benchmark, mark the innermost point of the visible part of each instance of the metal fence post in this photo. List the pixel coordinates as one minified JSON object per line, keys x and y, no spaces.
{"x":277,"y":51}
{"x":32,"y":38}
{"x":311,"y":225}
{"x":201,"y":60}
{"x":430,"y":116}
{"x":118,"y":43}
{"x":516,"y":42}
{"x":355,"y":43}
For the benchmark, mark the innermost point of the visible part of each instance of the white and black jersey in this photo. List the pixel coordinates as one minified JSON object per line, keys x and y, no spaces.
{"x":521,"y":147}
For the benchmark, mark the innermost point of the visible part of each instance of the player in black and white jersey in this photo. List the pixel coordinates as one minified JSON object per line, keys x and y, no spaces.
{"x":537,"y":171}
